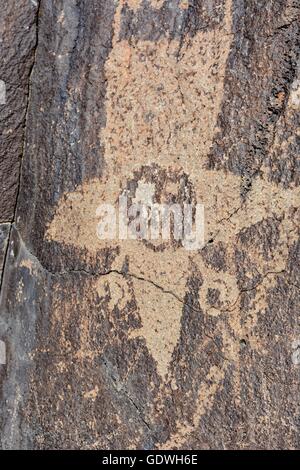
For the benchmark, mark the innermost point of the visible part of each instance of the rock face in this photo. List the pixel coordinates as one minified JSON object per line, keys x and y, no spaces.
{"x":134,"y":343}
{"x":17,"y":46}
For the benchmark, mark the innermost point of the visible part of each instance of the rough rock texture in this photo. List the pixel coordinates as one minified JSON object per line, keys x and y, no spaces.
{"x":17,"y":44}
{"x":133,"y":344}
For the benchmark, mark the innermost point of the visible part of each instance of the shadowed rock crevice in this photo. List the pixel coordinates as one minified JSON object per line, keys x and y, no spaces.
{"x":17,"y":50}
{"x":22,"y":29}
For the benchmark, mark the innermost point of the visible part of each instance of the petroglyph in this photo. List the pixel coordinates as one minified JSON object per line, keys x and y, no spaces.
{"x":162,"y":104}
{"x":160,"y":107}
{"x":28,"y":264}
{"x":133,"y":4}
{"x":161,"y":323}
{"x":169,"y":268}
{"x":91,"y":394}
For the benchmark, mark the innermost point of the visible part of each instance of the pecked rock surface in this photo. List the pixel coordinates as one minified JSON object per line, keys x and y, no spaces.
{"x":140,"y":344}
